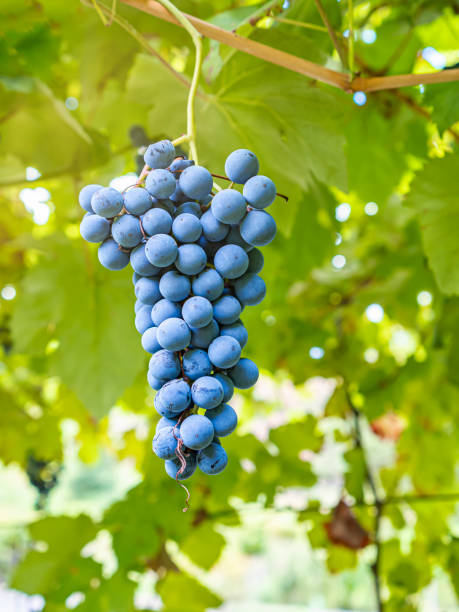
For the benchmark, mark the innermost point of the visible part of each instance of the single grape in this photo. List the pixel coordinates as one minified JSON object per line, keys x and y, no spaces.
{"x":224,"y":352}
{"x":137,"y":201}
{"x":174,"y":286}
{"x":140,"y":263}
{"x":174,"y":467}
{"x":256,"y":261}
{"x":210,"y":247}
{"x":212,"y":459}
{"x":231,"y":261}
{"x":191,"y":259}
{"x":208,"y":284}
{"x":135,"y":277}
{"x":161,"y":250}
{"x":107,"y":202}
{"x":196,"y":363}
{"x":165,"y":422}
{"x":138,"y":305}
{"x":250,"y":289}
{"x":156,"y":221}
{"x":147,"y":290}
{"x":160,"y":154}
{"x":174,"y":334}
{"x":226,"y":309}
{"x":196,"y":182}
{"x":150,"y":343}
{"x":165,"y":204}
{"x":126,"y":231}
{"x":191,"y":208}
{"x":111,"y":257}
{"x":207,"y":392}
{"x":160,"y":183}
{"x":227,"y":384}
{"x":196,"y":431}
{"x":173,"y":397}
{"x":94,"y":228}
{"x":178,"y":165}
{"x":155,"y":383}
{"x":228,"y":206}
{"x":165,"y":443}
{"x":259,"y":191}
{"x":186,"y":228}
{"x":237,"y":331}
{"x":258,"y":228}
{"x":85,"y":196}
{"x":213,"y":229}
{"x":241,"y":165}
{"x":143,"y":319}
{"x":244,"y":374}
{"x":201,"y":338}
{"x":224,"y":419}
{"x":197,"y":311}
{"x":178,"y":196}
{"x":164,"y":309}
{"x":164,"y":365}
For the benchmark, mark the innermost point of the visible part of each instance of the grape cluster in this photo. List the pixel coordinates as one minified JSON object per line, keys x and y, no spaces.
{"x":196,"y":268}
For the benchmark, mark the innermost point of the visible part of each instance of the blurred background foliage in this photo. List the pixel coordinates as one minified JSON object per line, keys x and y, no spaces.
{"x":357,"y":339}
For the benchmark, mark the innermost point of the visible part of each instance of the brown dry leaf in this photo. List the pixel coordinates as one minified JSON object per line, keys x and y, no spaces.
{"x":345,"y":530}
{"x":389,"y":426}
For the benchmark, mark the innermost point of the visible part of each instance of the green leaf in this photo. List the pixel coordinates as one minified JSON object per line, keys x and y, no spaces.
{"x":203,"y":546}
{"x":179,"y":591}
{"x":433,"y":197}
{"x":444,"y":100}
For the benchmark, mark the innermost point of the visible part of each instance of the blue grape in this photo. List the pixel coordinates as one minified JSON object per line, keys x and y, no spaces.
{"x":237,"y":331}
{"x":210,"y":247}
{"x":196,"y":363}
{"x":196,"y":182}
{"x":228,"y":206}
{"x":208,"y":284}
{"x":126,"y":231}
{"x":137,"y":201}
{"x":201,"y":338}
{"x":178,"y":165}
{"x":178,"y":196}
{"x":186,"y":228}
{"x":244,"y":374}
{"x":174,"y":467}
{"x":197,"y":311}
{"x":258,"y":228}
{"x":138,"y":305}
{"x":231,"y":261}
{"x":135,"y":277}
{"x":224,"y":352}
{"x":174,"y":334}
{"x":94,"y":228}
{"x":213,"y":229}
{"x":85,"y":196}
{"x":164,"y":365}
{"x":241,"y":165}
{"x":165,"y":422}
{"x":259,"y":191}
{"x":174,"y":397}
{"x":149,"y":340}
{"x":234,"y":237}
{"x":206,"y":199}
{"x":165,"y":204}
{"x":212,"y":459}
{"x":160,"y":154}
{"x":174,"y":286}
{"x":111,"y":257}
{"x":191,"y":208}
{"x":161,"y":250}
{"x":191,"y":259}
{"x":155,"y":383}
{"x":207,"y":392}
{"x":227,"y":384}
{"x":164,"y":309}
{"x":107,"y":202}
{"x":196,"y":431}
{"x":147,"y":290}
{"x":250,"y":289}
{"x":140,"y":263}
{"x":227,"y":309}
{"x":165,"y":443}
{"x":160,"y":183}
{"x":143,"y":319}
{"x":156,"y":221}
{"x":256,"y":261}
{"x":224,"y":419}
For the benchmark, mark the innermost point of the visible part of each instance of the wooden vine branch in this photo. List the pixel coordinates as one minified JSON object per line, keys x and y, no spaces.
{"x":294,"y":63}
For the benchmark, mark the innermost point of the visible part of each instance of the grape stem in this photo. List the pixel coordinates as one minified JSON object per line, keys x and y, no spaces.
{"x":197,"y":41}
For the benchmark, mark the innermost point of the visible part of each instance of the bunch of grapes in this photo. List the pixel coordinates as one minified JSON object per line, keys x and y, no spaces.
{"x":196,"y":268}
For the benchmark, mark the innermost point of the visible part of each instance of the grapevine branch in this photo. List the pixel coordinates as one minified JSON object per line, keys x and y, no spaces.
{"x":331,"y":32}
